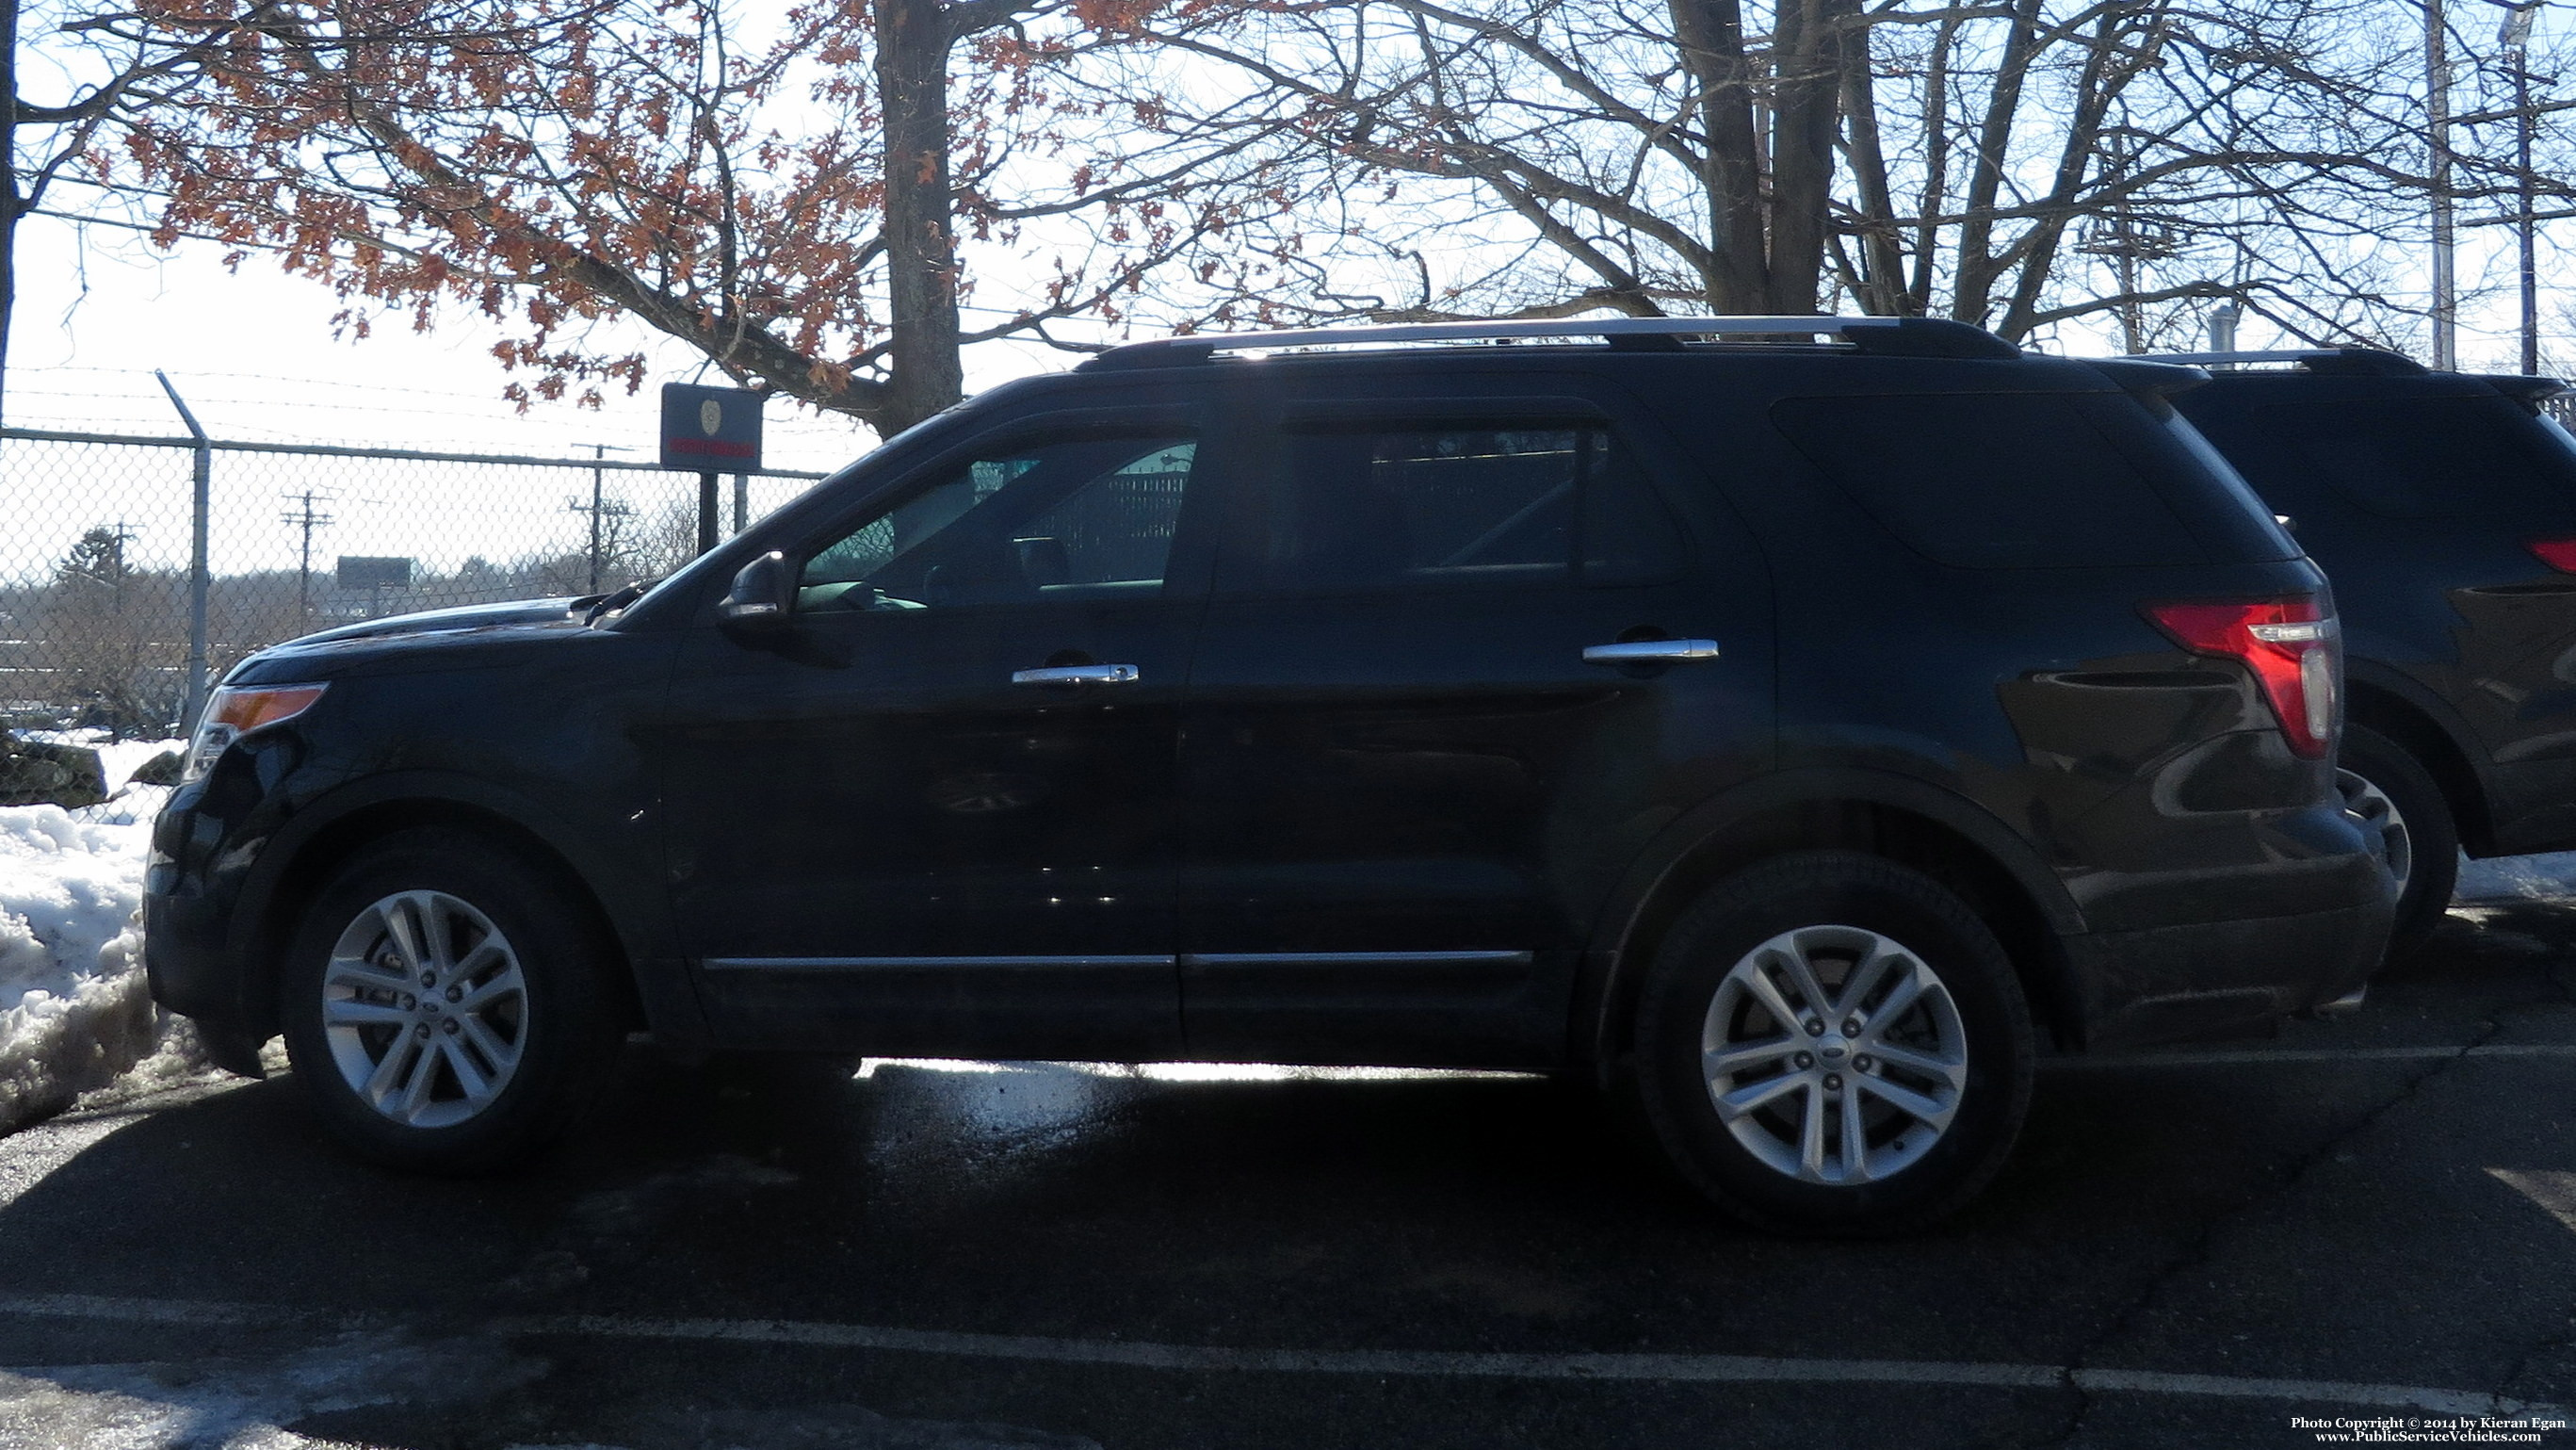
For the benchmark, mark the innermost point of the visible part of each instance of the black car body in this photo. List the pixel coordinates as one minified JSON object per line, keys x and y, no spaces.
{"x":2443,"y":508}
{"x":1361,"y":795}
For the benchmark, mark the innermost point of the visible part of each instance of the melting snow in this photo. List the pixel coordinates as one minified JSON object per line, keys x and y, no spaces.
{"x":74,"y":1010}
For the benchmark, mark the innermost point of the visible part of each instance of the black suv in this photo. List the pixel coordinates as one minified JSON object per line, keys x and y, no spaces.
{"x":1786,"y":730}
{"x":2443,"y":507}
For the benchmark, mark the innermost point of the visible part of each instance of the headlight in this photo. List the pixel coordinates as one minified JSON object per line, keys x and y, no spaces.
{"x":234,"y":713}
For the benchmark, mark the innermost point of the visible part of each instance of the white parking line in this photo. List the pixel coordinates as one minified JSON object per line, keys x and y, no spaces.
{"x":2259,"y":1055}
{"x":183,"y":1311}
{"x":1660,"y":1368}
{"x":1265,"y":1072}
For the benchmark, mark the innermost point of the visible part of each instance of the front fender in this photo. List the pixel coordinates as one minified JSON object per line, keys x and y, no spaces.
{"x":617,"y":861}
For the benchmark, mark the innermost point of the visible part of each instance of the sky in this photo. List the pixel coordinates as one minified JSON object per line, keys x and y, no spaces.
{"x":255,"y":353}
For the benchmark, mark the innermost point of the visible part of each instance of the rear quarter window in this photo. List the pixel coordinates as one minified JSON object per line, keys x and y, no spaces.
{"x":2032,"y":480}
{"x":2407,"y":458}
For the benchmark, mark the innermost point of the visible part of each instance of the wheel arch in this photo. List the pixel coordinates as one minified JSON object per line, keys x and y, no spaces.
{"x":2385,"y":704}
{"x":304,"y":854}
{"x":1895,"y":818}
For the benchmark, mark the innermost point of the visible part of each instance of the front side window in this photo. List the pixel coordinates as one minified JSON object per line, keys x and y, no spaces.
{"x":1371,"y":507}
{"x":1087,"y":516}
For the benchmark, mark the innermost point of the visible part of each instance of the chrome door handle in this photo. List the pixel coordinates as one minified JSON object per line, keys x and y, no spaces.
{"x":1649,"y":651}
{"x":1076,"y":675}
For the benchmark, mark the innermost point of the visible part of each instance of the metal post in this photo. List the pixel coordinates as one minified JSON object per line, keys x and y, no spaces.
{"x":202,"y":475}
{"x":741,"y":502}
{"x":2530,"y":241}
{"x":706,"y":513}
{"x":598,"y":450}
{"x":2517,"y":46}
{"x":2437,"y":124}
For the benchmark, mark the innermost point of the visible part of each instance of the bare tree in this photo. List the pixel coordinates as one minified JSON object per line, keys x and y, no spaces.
{"x":2017,"y":164}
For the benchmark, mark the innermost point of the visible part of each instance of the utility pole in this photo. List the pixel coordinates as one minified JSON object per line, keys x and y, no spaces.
{"x":598,"y":508}
{"x":2123,"y":236}
{"x":2437,"y":126}
{"x":308,"y":519}
{"x":2516,"y":38}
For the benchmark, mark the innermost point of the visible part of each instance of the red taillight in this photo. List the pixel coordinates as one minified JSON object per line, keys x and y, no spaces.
{"x":2558,"y":554}
{"x":2291,"y":645}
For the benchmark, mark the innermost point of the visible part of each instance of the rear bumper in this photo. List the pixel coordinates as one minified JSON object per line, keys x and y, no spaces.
{"x":2216,"y":979}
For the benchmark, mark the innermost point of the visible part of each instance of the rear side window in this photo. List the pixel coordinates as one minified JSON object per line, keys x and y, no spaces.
{"x":1408,"y":506}
{"x":2031,"y":480}
{"x":2407,"y":458}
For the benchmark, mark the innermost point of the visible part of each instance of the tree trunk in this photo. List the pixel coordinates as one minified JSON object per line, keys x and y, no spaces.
{"x":1807,"y":69}
{"x":923,"y":372}
{"x":1879,"y":280}
{"x":2107,"y":71}
{"x":1711,"y":33}
{"x":1976,"y":269}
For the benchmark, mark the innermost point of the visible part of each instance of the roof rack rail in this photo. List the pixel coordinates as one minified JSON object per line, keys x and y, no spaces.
{"x":1884,"y":336}
{"x":2367,"y":362}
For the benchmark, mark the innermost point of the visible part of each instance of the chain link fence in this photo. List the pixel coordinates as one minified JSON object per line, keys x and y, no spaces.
{"x":95,"y":552}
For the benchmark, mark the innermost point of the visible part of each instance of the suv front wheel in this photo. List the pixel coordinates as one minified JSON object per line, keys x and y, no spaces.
{"x":443,"y":1010}
{"x":1832,"y":1043}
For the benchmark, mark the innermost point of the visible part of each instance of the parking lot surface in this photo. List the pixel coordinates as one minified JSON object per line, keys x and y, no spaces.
{"x":2369,"y":1219}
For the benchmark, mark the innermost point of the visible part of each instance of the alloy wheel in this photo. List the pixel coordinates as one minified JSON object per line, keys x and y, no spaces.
{"x":1834,"y":1055}
{"x":2371,"y":806}
{"x":425,"y":1009}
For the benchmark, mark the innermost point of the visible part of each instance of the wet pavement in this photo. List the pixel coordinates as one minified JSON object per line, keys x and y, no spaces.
{"x":2358,"y":1220}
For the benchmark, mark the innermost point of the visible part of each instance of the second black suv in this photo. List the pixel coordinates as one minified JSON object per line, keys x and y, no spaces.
{"x":1789,"y":729}
{"x":2443,"y":507}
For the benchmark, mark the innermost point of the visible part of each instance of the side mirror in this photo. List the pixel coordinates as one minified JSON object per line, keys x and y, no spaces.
{"x":762,"y":595}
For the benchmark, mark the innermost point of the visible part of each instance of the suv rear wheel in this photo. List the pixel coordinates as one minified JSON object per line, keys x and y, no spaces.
{"x":444,"y":1011}
{"x":2391,"y":793}
{"x":1832,"y":1043}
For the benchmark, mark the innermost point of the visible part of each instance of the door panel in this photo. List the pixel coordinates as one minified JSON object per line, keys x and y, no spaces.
{"x":1409,"y":790}
{"x":880,"y":837}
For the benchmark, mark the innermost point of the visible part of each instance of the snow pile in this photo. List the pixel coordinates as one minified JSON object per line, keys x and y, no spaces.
{"x":74,"y":1008}
{"x":2518,"y":878}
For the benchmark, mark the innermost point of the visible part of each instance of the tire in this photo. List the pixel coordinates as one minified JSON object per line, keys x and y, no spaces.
{"x":2388,"y":790}
{"x":520,"y":1018}
{"x":1964,"y":1083}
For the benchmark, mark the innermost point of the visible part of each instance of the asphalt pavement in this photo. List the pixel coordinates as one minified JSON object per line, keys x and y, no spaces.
{"x":2240,"y":1244}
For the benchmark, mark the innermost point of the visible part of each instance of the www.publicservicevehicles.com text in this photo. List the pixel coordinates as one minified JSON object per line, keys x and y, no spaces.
{"x":2410,"y":1430}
